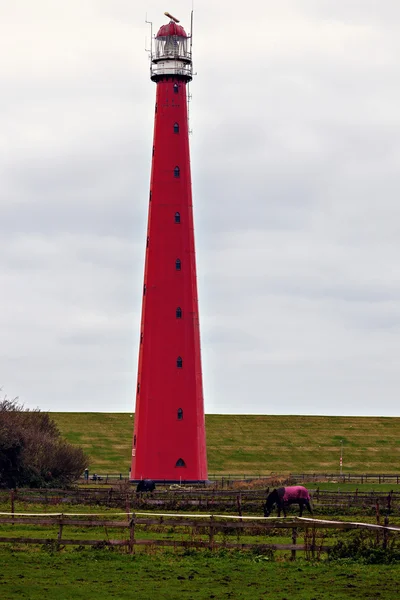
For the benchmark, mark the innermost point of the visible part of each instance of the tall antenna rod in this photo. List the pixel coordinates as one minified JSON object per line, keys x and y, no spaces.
{"x":149,"y":50}
{"x":189,"y":97}
{"x":191,"y":32}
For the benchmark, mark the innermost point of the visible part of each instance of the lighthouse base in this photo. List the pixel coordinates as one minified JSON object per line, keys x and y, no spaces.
{"x":178,"y":481}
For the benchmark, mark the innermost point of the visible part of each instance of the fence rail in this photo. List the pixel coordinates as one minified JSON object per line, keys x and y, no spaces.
{"x":242,"y":502}
{"x":207,"y":526}
{"x":347,"y":477}
{"x":228,"y":479}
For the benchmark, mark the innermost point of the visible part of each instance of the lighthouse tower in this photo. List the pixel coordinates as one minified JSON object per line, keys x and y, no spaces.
{"x":169,"y":435}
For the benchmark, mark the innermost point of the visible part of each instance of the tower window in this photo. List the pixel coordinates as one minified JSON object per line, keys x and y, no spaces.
{"x":176,"y":88}
{"x":147,"y":242}
{"x":141,"y":338}
{"x":177,"y":217}
{"x":144,"y":290}
{"x":138,"y":387}
{"x":180,"y":414}
{"x":178,"y":264}
{"x":177,"y":172}
{"x":179,"y":313}
{"x":180,"y":463}
{"x":134,"y":440}
{"x":179,"y":362}
{"x":150,"y":197}
{"x":156,"y":108}
{"x":176,"y":127}
{"x":153,"y":151}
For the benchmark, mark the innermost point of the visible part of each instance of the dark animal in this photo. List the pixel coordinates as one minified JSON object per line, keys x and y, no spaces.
{"x":284,"y":496}
{"x":146,"y":485}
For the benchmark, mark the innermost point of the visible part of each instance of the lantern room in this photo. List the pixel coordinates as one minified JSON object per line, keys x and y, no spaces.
{"x":171,"y":55}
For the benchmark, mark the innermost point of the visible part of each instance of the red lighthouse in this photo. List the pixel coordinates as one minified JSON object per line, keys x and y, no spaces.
{"x":169,"y":435}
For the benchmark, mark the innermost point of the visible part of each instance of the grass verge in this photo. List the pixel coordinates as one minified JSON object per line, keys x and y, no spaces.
{"x":101,"y":574}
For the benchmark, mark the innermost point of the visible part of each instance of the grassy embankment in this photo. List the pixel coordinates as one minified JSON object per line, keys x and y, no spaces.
{"x":253,"y":444}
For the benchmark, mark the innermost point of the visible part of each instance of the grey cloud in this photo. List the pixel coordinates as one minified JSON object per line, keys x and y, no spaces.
{"x":295,"y":162}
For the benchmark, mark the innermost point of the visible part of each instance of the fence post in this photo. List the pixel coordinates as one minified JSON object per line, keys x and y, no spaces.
{"x":389,"y":501}
{"x":12,"y":499}
{"x":60,"y":529}
{"x":132,"y":534}
{"x":385,"y":533}
{"x":378,"y":516}
{"x":294,"y":541}
{"x":313,"y":542}
{"x":239,"y":504}
{"x":211,"y":536}
{"x":378,"y":519}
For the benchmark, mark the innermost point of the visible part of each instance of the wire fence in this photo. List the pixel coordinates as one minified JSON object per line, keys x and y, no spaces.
{"x":228,"y":479}
{"x":242,"y":502}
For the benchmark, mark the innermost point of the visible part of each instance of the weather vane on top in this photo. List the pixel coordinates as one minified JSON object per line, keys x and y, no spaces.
{"x":167,"y":14}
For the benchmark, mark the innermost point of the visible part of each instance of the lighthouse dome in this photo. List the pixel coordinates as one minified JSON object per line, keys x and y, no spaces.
{"x":171,"y":28}
{"x":172,"y":54}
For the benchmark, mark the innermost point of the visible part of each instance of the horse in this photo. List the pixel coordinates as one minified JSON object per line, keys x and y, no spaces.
{"x":284,"y":496}
{"x":145,"y":485}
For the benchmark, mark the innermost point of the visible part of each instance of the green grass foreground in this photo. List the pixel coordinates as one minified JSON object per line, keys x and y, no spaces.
{"x":101,"y":574}
{"x":253,"y":444}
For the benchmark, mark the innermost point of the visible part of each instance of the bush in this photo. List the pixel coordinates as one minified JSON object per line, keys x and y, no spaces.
{"x":362,"y":547}
{"x":32,"y":451}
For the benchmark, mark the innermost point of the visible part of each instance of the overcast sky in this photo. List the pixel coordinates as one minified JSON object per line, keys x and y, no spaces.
{"x":295,"y":160}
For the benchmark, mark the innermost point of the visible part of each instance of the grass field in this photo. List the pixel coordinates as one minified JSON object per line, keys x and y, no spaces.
{"x":101,"y":574}
{"x":39,"y":572}
{"x":236,"y":445}
{"x":253,"y":444}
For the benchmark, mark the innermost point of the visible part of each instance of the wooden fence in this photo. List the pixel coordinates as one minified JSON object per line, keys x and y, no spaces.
{"x":242,"y":502}
{"x":227,"y":480}
{"x":199,"y":532}
{"x":347,"y":477}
